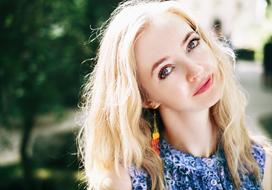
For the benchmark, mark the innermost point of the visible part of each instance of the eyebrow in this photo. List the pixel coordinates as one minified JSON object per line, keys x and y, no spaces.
{"x":187,"y":36}
{"x":157,"y":63}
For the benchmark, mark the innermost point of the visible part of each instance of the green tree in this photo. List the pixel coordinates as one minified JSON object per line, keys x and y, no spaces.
{"x":41,"y":50}
{"x":40,"y":54}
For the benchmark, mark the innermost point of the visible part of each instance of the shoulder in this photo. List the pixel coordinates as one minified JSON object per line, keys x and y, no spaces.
{"x":261,"y":146}
{"x":267,"y":180}
{"x":258,"y":152}
{"x":140,"y":178}
{"x":262,"y":152}
{"x":121,"y":181}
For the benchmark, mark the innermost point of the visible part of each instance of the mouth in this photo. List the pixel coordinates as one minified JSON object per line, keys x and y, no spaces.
{"x":204,"y":86}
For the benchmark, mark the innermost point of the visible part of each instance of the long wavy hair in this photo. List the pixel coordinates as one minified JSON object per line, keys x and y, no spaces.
{"x":115,"y":132}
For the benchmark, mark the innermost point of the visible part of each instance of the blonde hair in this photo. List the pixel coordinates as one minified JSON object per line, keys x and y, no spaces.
{"x":114,"y":131}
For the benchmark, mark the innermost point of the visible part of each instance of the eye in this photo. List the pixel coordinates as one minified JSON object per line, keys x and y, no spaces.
{"x":193,"y":44}
{"x":165,"y":71}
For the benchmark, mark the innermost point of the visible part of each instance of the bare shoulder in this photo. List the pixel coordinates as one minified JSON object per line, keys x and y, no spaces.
{"x":267,"y":180}
{"x":121,"y":181}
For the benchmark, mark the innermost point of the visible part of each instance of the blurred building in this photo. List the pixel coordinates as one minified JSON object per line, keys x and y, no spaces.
{"x":244,"y":22}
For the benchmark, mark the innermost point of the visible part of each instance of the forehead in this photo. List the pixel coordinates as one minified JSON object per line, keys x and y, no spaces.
{"x":169,"y":24}
{"x":159,"y":37}
{"x":167,"y":19}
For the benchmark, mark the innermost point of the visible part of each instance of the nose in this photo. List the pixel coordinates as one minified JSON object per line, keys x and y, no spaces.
{"x":194,"y":72}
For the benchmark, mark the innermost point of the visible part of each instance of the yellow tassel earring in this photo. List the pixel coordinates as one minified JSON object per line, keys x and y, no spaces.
{"x":155,"y":136}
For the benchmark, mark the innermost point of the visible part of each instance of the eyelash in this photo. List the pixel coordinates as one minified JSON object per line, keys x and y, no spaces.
{"x":162,"y":75}
{"x":197,"y":40}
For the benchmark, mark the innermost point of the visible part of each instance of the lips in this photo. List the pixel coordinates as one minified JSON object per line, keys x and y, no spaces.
{"x":204,"y":86}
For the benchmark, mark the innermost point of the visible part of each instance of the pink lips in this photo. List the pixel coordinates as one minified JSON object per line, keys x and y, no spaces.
{"x":204,"y":86}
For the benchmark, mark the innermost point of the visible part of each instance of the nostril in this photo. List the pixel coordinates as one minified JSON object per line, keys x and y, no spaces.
{"x":195,"y":72}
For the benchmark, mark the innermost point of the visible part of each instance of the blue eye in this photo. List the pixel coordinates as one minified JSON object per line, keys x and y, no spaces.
{"x":193,"y":44}
{"x":165,"y":71}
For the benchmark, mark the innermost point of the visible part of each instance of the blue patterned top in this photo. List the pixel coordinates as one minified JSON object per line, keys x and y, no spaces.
{"x":185,"y":171}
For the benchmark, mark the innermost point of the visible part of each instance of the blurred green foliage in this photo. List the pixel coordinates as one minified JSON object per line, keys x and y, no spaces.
{"x":42,"y":47}
{"x":245,"y":54}
{"x":44,"y":178}
{"x":41,"y":50}
{"x":43,"y":44}
{"x":266,"y":122}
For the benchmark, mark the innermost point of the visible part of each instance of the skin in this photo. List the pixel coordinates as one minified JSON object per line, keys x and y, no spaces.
{"x":187,"y":63}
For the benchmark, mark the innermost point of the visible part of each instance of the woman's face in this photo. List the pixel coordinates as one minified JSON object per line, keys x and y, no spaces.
{"x":175,"y":67}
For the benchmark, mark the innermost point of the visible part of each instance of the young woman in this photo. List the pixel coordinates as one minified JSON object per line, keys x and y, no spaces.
{"x":163,"y":109}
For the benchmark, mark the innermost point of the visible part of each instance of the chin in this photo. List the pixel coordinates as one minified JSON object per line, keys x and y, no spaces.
{"x":214,"y":103}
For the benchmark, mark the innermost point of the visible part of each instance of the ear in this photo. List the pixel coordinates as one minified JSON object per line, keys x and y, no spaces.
{"x":150,"y":104}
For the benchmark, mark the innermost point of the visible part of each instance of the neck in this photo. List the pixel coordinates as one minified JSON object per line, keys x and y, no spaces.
{"x":191,"y":132}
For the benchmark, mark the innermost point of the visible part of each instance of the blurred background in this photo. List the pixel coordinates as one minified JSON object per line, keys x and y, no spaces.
{"x":45,"y":52}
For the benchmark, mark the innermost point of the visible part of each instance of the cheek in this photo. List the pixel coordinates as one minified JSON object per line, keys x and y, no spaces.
{"x":172,"y":93}
{"x":203,"y":53}
{"x":210,"y":62}
{"x":218,"y":85}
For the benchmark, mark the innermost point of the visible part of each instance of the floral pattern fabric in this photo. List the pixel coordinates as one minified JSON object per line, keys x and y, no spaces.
{"x":185,"y":171}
